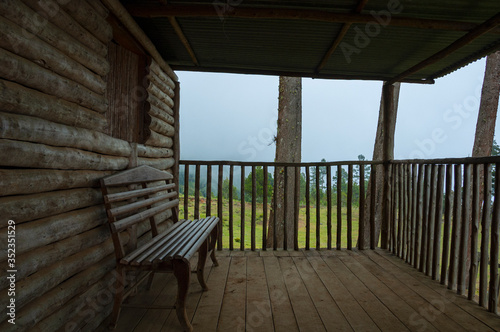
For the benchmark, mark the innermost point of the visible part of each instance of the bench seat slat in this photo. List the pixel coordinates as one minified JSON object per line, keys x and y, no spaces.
{"x":155,"y":243}
{"x":197,"y":240}
{"x":119,"y":226}
{"x":111,"y":198}
{"x":121,"y":210}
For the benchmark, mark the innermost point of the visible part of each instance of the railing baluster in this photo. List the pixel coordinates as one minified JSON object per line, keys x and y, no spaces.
{"x":339,"y":207}
{"x":264,"y":208}
{"x":464,"y":241}
{"x":476,"y":213}
{"x":495,"y":223}
{"x":186,"y":191}
{"x":242,"y":227}
{"x":395,"y":209}
{"x":197,"y":192}
{"x":373,"y":189}
{"x":448,"y":205}
{"x":231,"y":231}
{"x":438,"y":223}
{"x":414,"y":204}
{"x":455,"y":232}
{"x":318,"y":210}
{"x":308,"y":212}
{"x":220,"y":206}
{"x":361,"y":231}
{"x":254,"y":208}
{"x":329,"y":206}
{"x":400,"y":212}
{"x":285,"y":208}
{"x":425,"y":219}
{"x":209,"y":191}
{"x":404,"y":247}
{"x":431,"y":220}
{"x":296,"y":209}
{"x":275,"y":206}
{"x":408,"y":212}
{"x":485,"y":236}
{"x":420,"y":214}
{"x":349,"y":207}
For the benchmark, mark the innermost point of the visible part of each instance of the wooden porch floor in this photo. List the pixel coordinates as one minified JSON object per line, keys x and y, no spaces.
{"x":310,"y":291}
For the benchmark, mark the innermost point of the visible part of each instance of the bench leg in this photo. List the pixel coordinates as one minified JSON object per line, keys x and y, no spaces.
{"x":213,"y":242}
{"x":182,"y":273}
{"x":119,"y":290}
{"x":202,"y":258}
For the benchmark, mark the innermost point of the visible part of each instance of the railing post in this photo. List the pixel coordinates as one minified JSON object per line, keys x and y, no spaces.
{"x":386,"y":206}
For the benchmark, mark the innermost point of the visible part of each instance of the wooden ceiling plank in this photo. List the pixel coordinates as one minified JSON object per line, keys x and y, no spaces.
{"x":183,"y":39}
{"x":477,"y":32}
{"x":150,"y":11}
{"x":340,"y":37}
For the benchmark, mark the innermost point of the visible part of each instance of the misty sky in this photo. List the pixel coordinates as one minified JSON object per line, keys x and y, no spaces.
{"x":233,"y":117}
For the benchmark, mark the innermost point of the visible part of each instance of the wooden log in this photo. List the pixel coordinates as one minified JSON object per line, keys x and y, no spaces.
{"x":264,"y":207}
{"x":349,"y":207}
{"x":318,"y":209}
{"x":31,"y":155}
{"x":15,"y":98}
{"x":89,"y":18}
{"x":464,"y":234}
{"x":42,"y":232}
{"x":154,"y":101}
{"x":339,"y":207}
{"x":27,"y":73}
{"x":296,"y":209}
{"x":308,"y":211}
{"x":26,"y":128}
{"x":404,"y":239}
{"x":30,"y":207}
{"x":456,"y":229}
{"x":123,"y":15}
{"x":154,"y":78}
{"x":476,"y":214}
{"x":414,"y":203}
{"x":361,"y":239}
{"x":408,"y":213}
{"x":438,"y":221}
{"x":494,"y":246}
{"x":329,"y":206}
{"x":158,"y":140}
{"x":162,"y":75}
{"x":160,"y":114}
{"x":432,"y":220}
{"x":208,"y":211}
{"x":32,"y":261}
{"x":186,"y":191}
{"x":36,"y":285}
{"x":99,"y":7}
{"x":61,"y":309}
{"x":50,"y":10}
{"x":158,"y":93}
{"x":22,"y":15}
{"x":425,"y":220}
{"x":242,"y":200}
{"x":152,"y":152}
{"x":220,"y":206}
{"x":231,"y":183}
{"x":373,"y":193}
{"x":197,"y":192}
{"x":485,"y":237}
{"x":399,"y":244}
{"x":448,"y":205}
{"x":386,"y":207}
{"x":420,"y":213}
{"x":16,"y":40}
{"x":31,"y":181}
{"x":159,"y":163}
{"x":161,"y":127}
{"x":395,"y":209}
{"x":254,"y":209}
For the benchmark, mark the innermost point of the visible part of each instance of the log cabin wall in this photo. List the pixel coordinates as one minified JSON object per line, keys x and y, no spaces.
{"x":60,"y":133}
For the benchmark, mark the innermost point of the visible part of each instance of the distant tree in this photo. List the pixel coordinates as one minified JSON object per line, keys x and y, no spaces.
{"x":225,"y":190}
{"x":259,"y":183}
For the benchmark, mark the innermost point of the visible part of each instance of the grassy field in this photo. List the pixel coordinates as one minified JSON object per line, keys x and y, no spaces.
{"x":259,"y":218}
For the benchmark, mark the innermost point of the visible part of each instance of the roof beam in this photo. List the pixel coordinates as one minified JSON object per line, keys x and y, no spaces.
{"x":183,"y":39}
{"x":340,"y":37}
{"x":149,"y":11}
{"x":477,"y":32}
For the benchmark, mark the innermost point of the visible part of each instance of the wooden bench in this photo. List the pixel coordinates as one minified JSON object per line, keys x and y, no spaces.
{"x":134,"y":197}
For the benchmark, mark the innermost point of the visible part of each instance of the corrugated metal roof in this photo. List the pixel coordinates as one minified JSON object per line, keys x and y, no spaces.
{"x":223,"y":40}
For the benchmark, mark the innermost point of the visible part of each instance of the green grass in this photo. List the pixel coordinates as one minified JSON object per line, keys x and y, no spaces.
{"x":237,"y":236}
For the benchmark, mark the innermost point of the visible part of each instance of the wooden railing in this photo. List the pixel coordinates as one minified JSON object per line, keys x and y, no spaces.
{"x":315,"y":201}
{"x":444,"y":220}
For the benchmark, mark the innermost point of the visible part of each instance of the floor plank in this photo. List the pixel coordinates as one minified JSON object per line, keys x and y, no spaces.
{"x":258,"y":315}
{"x":233,"y":311}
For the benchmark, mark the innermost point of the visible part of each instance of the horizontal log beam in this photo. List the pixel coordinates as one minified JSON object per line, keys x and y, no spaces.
{"x":152,"y":152}
{"x":183,"y":39}
{"x":159,"y":10}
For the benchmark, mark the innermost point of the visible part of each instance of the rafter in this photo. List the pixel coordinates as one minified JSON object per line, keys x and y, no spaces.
{"x":183,"y":39}
{"x":340,"y":37}
{"x":144,"y":10}
{"x":475,"y":33}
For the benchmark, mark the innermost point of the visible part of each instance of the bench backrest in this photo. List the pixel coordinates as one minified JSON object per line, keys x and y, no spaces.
{"x":133,"y":196}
